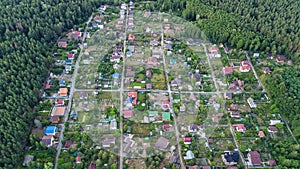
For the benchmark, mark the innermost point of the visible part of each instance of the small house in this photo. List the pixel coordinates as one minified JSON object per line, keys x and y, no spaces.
{"x":228,"y":96}
{"x":161,"y":144}
{"x":166,"y":116}
{"x":189,"y":155}
{"x":230,"y":157}
{"x":48,"y":140}
{"x":27,"y":159}
{"x":63,"y":92}
{"x":51,"y":130}
{"x":280,"y":59}
{"x":245,"y":66}
{"x":71,"y":56}
{"x":227,"y":70}
{"x":128,"y":113}
{"x":261,"y":134}
{"x":62,"y":43}
{"x":239,"y":127}
{"x":254,"y":158}
{"x":272,"y":129}
{"x":187,"y":140}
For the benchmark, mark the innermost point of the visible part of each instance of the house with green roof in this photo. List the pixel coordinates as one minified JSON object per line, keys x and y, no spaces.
{"x":166,"y":116}
{"x":153,"y":113}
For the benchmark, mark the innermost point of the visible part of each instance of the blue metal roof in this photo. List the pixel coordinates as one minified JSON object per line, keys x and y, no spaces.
{"x":51,"y":130}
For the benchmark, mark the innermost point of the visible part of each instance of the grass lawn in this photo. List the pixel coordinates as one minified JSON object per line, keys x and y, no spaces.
{"x":140,"y":128}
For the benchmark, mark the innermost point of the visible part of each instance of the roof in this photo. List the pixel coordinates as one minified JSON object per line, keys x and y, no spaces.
{"x":92,"y":165}
{"x":227,"y":70}
{"x":78,"y":159}
{"x":54,"y":119}
{"x":27,"y":159}
{"x":48,"y":86}
{"x":255,"y":157}
{"x":228,"y":95}
{"x":239,"y":127}
{"x":63,"y":91}
{"x":71,"y":56}
{"x":166,"y":127}
{"x":58,"y":111}
{"x":194,"y":167}
{"x":128,"y":113}
{"x":133,"y":95}
{"x":148,"y":73}
{"x":280,"y":58}
{"x":148,"y":86}
{"x":153,"y":113}
{"x":67,"y":144}
{"x":189,"y":155}
{"x":272,"y":129}
{"x":232,"y":156}
{"x":47,"y":140}
{"x":234,"y":107}
{"x":162,"y":143}
{"x":187,"y":139}
{"x":166,"y":116}
{"x":50,"y":130}
{"x":60,"y":102}
{"x":206,"y":167}
{"x":272,"y":163}
{"x":245,"y":66}
{"x":261,"y":134}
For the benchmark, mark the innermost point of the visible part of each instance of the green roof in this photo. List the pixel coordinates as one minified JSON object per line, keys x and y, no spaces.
{"x":153,"y":113}
{"x":166,"y":116}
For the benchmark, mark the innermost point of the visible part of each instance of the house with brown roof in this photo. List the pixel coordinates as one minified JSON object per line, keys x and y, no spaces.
{"x":152,"y":61}
{"x":62,"y":43}
{"x":63,"y":92}
{"x":254,"y":158}
{"x":272,"y":129}
{"x":54,"y":119}
{"x":58,"y":111}
{"x":234,"y":107}
{"x":280,"y":58}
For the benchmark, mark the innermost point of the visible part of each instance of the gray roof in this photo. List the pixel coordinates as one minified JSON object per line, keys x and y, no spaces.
{"x":162,"y":143}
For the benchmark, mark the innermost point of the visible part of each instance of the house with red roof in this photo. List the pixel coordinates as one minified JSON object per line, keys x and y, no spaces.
{"x":78,"y":159}
{"x":71,"y":56}
{"x":214,"y":52}
{"x":128,"y":113}
{"x":60,"y":103}
{"x":92,"y":165}
{"x":261,"y":134}
{"x":187,"y":140}
{"x":239,"y":127}
{"x":48,"y":86}
{"x":227,"y":70}
{"x":97,"y":19}
{"x":165,"y":104}
{"x":67,"y":144}
{"x":166,"y":127}
{"x":272,"y":163}
{"x":132,"y":97}
{"x":62,"y":43}
{"x":245,"y":66}
{"x":76,"y":35}
{"x":130,"y":37}
{"x":254,"y":158}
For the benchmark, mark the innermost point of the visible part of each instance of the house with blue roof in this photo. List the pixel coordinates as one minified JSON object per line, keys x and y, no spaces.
{"x":115,"y":75}
{"x":62,"y":83}
{"x":173,"y":61}
{"x":50,"y":130}
{"x":128,"y":53}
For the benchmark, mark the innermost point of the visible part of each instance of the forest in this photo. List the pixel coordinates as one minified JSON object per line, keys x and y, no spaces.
{"x":28,"y":31}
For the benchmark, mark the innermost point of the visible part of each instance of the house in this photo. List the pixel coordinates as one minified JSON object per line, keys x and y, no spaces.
{"x":168,"y":46}
{"x":92,"y":165}
{"x":272,"y":129}
{"x":62,"y":83}
{"x":128,"y":113}
{"x":97,"y":19}
{"x":128,"y":53}
{"x":272,"y":163}
{"x":67,"y":144}
{"x":194,"y":167}
{"x":60,"y":103}
{"x":48,"y":86}
{"x":161,"y":144}
{"x":133,"y":97}
{"x":274,"y":122}
{"x":182,"y":108}
{"x":239,"y":127}
{"x":152,"y":61}
{"x":27,"y":159}
{"x":254,"y":158}
{"x":153,"y":42}
{"x":113,"y":125}
{"x":197,"y":76}
{"x":71,"y":56}
{"x":230,"y":157}
{"x":227,"y":70}
{"x":168,"y":40}
{"x":228,"y":96}
{"x":73,"y":115}
{"x":167,"y":26}
{"x":214,"y":52}
{"x":69,"y":62}
{"x":251,"y":103}
{"x":148,"y":86}
{"x":165,"y":104}
{"x":261,"y":134}
{"x":174,"y":83}
{"x":193,"y":128}
{"x":166,"y":116}
{"x":54,"y":119}
{"x":130,"y":37}
{"x":115,"y":58}
{"x":84,"y":95}
{"x":152,"y":113}
{"x":131,"y":48}
{"x":78,"y":159}
{"x":63,"y":92}
{"x":48,"y":140}
{"x":107,"y":142}
{"x":187,"y":140}
{"x":76,"y":35}
{"x":280,"y":59}
{"x":234,"y":114}
{"x":58,"y":111}
{"x":205,"y":167}
{"x":255,"y":55}
{"x":115,"y":75}
{"x":51,"y":130}
{"x":236,"y":85}
{"x":245,"y":66}
{"x":62,"y":43}
{"x":173,"y":61}
{"x":189,"y":155}
{"x":166,"y":127}
{"x":148,"y":73}
{"x":234,"y":107}
{"x":267,"y":70}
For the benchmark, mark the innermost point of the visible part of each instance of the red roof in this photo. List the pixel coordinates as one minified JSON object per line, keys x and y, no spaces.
{"x":78,"y":159}
{"x":131,"y":37}
{"x":166,"y":127}
{"x":214,"y":48}
{"x":272,"y":163}
{"x":67,"y":144}
{"x":239,"y":127}
{"x":227,"y":70}
{"x":133,"y":95}
{"x":128,"y":113}
{"x":166,"y":104}
{"x":255,"y":157}
{"x":92,"y":165}
{"x":244,"y":65}
{"x":71,"y":56}
{"x":60,"y":102}
{"x":187,"y":139}
{"x":48,"y":86}
{"x":76,"y":32}
{"x":261,"y":134}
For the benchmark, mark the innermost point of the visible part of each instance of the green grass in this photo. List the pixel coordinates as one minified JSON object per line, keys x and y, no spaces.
{"x":140,"y":128}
